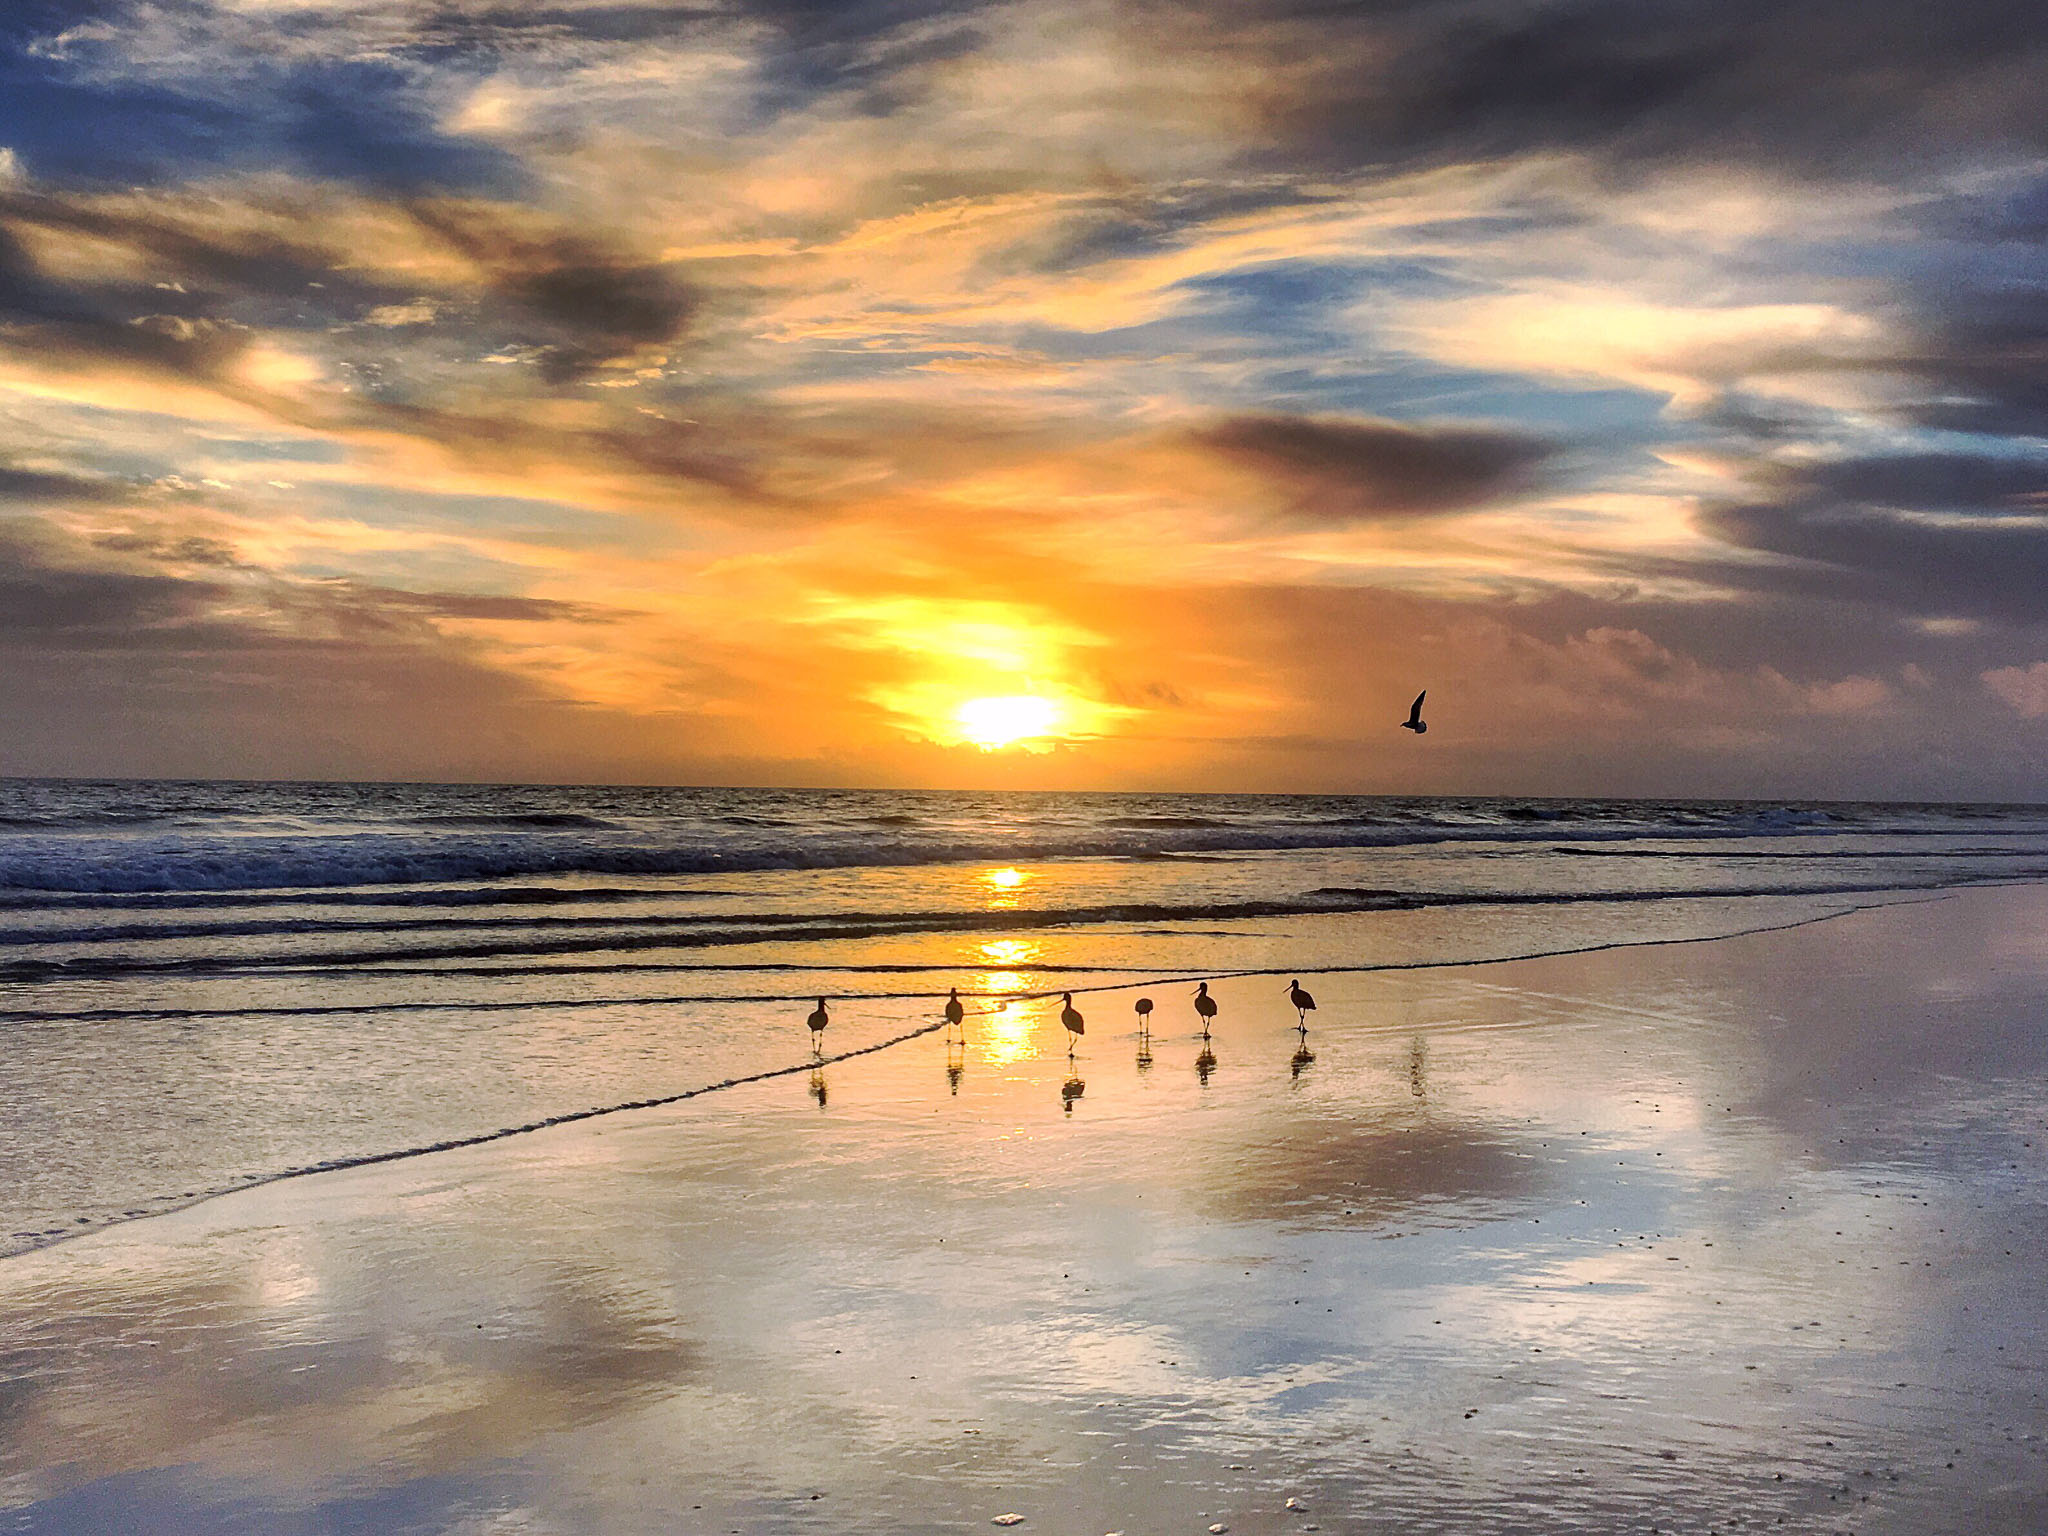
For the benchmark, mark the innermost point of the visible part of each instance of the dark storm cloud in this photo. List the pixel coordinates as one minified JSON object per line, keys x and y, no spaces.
{"x":578,"y":303}
{"x":193,"y":252}
{"x":1935,"y":534}
{"x":583,"y":304}
{"x":59,"y":591}
{"x":1818,"y":87}
{"x":57,"y":319}
{"x":190,"y":549}
{"x":1981,"y":354}
{"x":1930,"y":482}
{"x":51,"y":599}
{"x":1350,"y":469}
{"x":40,"y":487}
{"x":468,"y":605}
{"x":596,"y":306}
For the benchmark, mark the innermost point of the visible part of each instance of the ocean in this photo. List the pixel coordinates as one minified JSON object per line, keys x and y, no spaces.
{"x":209,"y":985}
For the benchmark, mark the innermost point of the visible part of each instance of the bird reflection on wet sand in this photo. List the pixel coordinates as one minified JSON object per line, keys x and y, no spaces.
{"x":956,"y":1064}
{"x":1302,"y":1056}
{"x":1205,"y":1063}
{"x":818,"y":1085}
{"x":1274,"y":1290}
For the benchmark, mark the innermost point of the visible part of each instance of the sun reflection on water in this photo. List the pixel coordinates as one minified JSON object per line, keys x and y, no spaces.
{"x":1000,"y":884}
{"x":1009,"y":953}
{"x":1004,"y":1034}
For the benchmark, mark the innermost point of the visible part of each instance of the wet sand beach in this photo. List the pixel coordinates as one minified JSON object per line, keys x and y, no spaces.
{"x":1739,"y":1234}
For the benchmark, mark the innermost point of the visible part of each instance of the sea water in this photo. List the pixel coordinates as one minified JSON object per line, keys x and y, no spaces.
{"x":206,"y":985}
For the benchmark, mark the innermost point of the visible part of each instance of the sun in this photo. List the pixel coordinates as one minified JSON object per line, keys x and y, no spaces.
{"x":1004,"y":721}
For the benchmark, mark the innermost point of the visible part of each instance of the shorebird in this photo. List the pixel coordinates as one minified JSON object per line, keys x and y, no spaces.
{"x":1304,"y":1002}
{"x":1071,"y":1017}
{"x":818,"y":1020}
{"x":1143,"y":1008}
{"x":1415,"y":722}
{"x":1205,"y":1005}
{"x":956,"y":1011}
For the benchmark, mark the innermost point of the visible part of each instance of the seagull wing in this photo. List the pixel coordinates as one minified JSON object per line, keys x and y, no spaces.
{"x":1415,"y":709}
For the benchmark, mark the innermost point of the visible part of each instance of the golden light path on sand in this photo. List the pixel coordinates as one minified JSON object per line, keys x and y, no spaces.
{"x":1004,"y":1033}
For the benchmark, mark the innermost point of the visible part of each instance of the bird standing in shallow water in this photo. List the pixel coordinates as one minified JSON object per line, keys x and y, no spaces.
{"x":1304,"y":1003}
{"x":1071,"y":1017}
{"x":1205,"y":1005}
{"x":956,"y":1011}
{"x":818,"y":1020}
{"x":1415,"y":722}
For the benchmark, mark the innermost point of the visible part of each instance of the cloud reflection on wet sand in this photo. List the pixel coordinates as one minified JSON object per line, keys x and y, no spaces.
{"x":1537,"y":1246}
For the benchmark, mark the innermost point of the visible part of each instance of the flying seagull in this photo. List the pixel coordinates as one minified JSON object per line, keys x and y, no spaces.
{"x":1415,"y":722}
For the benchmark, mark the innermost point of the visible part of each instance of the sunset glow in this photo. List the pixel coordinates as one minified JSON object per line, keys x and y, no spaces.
{"x":1002,"y":722}
{"x":861,"y":395}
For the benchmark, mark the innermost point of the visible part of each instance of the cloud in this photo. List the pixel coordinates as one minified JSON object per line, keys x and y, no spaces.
{"x":133,"y":589}
{"x":53,"y":601}
{"x":1818,"y":88}
{"x":2024,"y":688}
{"x":599,"y":307}
{"x":1973,"y":349}
{"x":1933,"y":533}
{"x":1605,"y":362}
{"x":1339,"y":470}
{"x":48,"y":486}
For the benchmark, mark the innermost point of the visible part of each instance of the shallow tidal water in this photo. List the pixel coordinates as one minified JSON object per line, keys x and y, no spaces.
{"x":205,"y":986}
{"x":1720,"y":1236}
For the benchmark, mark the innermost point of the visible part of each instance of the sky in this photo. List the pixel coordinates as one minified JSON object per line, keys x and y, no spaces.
{"x":1047,"y":393}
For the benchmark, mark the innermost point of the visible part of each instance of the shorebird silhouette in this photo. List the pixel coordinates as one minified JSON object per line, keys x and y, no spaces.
{"x":1415,"y":722}
{"x":1143,"y":1008}
{"x":818,"y":1020}
{"x":1071,"y":1017}
{"x":1304,"y":1003}
{"x":1205,"y":1005}
{"x":956,"y":1011}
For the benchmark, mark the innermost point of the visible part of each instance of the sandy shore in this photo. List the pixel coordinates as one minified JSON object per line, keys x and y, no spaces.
{"x":1741,"y":1234}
